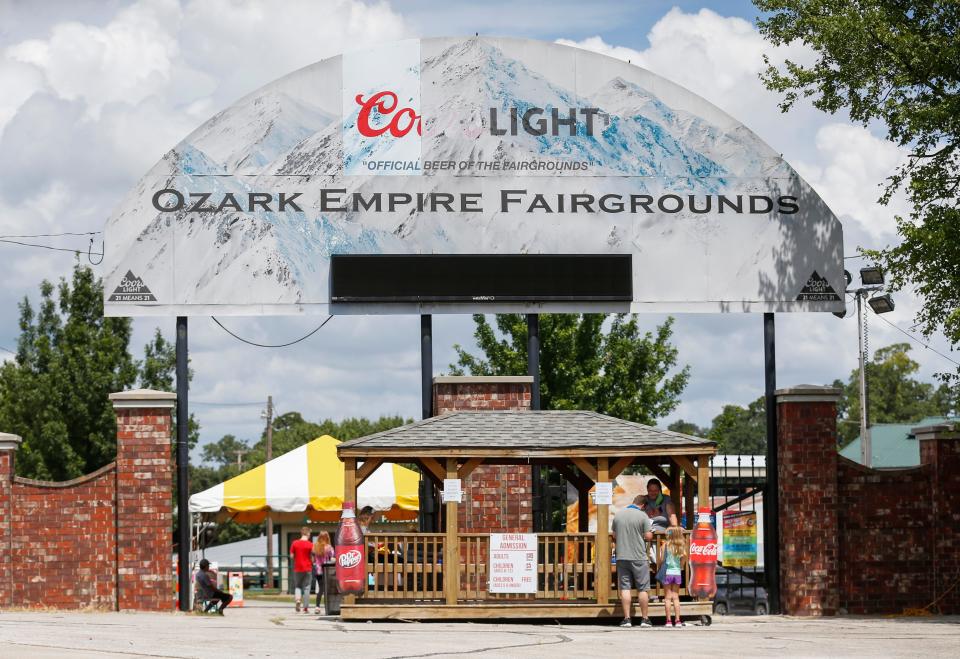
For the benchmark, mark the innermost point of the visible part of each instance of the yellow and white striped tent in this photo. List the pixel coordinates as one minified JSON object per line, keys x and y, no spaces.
{"x":308,"y":482}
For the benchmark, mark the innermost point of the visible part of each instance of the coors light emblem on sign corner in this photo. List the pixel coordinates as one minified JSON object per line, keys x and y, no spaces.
{"x":132,"y":289}
{"x":817,"y":289}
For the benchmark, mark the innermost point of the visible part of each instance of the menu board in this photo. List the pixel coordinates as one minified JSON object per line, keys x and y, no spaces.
{"x":513,"y":563}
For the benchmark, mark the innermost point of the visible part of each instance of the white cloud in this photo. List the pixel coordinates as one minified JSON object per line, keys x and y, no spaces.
{"x":719,"y":58}
{"x":126,"y":60}
{"x":853,"y":167}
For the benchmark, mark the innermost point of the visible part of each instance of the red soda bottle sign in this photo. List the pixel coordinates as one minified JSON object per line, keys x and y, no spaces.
{"x":350,"y":564}
{"x":703,"y":557}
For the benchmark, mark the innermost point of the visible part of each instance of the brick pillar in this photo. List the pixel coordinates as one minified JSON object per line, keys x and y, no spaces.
{"x":940,"y":449}
{"x":497,"y":499}
{"x":807,"y":451}
{"x":8,"y":446}
{"x":145,"y":577}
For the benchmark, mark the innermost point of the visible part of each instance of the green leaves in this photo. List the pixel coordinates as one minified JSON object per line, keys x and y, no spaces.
{"x":55,"y":394}
{"x":622,"y":372}
{"x":897,"y":64}
{"x":894,"y":395}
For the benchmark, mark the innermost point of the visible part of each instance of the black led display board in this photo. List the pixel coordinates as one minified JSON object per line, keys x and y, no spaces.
{"x":481,"y":278}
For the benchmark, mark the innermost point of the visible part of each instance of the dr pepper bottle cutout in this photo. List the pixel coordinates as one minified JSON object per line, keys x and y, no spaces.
{"x":350,"y":553}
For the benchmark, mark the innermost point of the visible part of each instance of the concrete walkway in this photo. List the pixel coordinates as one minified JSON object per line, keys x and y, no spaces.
{"x":264,"y":629}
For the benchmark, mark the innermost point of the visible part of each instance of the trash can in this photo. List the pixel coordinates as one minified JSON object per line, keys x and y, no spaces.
{"x":331,"y":596}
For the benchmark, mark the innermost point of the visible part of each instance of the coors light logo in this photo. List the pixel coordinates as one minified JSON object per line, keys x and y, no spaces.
{"x":132,"y":289}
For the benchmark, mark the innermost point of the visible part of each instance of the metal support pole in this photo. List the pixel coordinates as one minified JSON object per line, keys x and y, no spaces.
{"x":533,"y":358}
{"x":429,"y":514}
{"x":269,"y":457}
{"x":771,"y":493}
{"x":183,"y":461}
{"x":426,"y":365}
{"x":866,"y":443}
{"x":533,"y":370}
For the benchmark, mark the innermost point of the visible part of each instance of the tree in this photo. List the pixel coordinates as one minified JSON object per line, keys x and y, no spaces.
{"x":741,"y":430}
{"x":622,"y":372}
{"x":893,"y":63}
{"x":688,"y":428}
{"x":894,"y":395}
{"x":54,"y":394}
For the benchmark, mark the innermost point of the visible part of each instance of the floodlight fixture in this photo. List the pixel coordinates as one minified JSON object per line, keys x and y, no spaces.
{"x":881,"y":303}
{"x":871,"y":275}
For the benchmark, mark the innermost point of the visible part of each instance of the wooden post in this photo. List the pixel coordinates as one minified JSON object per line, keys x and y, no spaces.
{"x":676,"y":491}
{"x":601,"y":579}
{"x":350,"y":496}
{"x":688,"y":500}
{"x":451,"y":546}
{"x":703,"y":482}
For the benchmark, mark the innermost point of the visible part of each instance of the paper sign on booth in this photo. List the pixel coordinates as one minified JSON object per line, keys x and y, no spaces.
{"x":513,"y":563}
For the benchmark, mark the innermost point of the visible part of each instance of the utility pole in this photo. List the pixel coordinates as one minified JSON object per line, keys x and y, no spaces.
{"x":269,"y":455}
{"x":866,"y":445}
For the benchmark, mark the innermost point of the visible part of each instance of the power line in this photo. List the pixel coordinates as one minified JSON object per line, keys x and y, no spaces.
{"x":265,"y":345}
{"x":56,"y":249}
{"x":215,"y":404}
{"x":913,"y":338}
{"x":7,"y":350}
{"x":52,"y":235}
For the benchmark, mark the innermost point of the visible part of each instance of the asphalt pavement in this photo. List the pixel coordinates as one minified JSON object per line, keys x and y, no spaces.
{"x":270,"y":629}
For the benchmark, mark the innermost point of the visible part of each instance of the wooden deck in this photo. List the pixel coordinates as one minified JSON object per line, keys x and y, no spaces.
{"x":505,"y":610}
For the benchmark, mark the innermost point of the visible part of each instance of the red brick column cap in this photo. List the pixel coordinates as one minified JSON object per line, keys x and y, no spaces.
{"x":937,"y":431}
{"x":143,"y":398}
{"x":9,"y":442}
{"x":808,"y":393}
{"x":483,"y":379}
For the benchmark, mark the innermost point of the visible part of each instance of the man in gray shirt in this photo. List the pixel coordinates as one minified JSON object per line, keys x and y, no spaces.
{"x":632,"y":529}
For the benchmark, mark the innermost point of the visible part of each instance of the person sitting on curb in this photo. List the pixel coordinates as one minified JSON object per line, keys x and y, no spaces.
{"x":206,"y":591}
{"x":632,"y":530}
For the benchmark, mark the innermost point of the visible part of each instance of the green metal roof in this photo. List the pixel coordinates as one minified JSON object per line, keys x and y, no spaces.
{"x":894,"y":445}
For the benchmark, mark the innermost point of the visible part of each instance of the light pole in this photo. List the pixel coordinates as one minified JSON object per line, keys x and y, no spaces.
{"x":268,"y":415}
{"x":871,"y":278}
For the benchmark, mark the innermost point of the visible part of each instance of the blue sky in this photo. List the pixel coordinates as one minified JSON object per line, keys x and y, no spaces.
{"x":96,"y":92}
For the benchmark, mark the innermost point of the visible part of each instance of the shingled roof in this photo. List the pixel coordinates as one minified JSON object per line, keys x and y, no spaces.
{"x":523,"y":434}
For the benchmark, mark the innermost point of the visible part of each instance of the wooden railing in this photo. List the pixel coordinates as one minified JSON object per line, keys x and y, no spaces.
{"x":405,"y":566}
{"x":409,"y":567}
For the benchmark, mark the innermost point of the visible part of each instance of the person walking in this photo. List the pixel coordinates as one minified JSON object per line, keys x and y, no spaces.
{"x":301,"y":551}
{"x":206,"y":591}
{"x":632,"y":530}
{"x":673,"y":559}
{"x":323,"y":553}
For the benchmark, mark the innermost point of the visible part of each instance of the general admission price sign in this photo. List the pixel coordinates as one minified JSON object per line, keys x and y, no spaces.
{"x":466,"y":174}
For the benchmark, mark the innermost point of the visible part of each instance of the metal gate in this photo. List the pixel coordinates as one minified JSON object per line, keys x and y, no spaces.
{"x":737,"y":483}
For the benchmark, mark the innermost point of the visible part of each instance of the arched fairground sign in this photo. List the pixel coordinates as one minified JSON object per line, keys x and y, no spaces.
{"x":452,"y":175}
{"x":472,"y":175}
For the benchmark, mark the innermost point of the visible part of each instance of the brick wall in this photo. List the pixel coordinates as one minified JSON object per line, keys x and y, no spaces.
{"x":145,"y":505}
{"x":60,"y":542}
{"x":940,"y":451}
{"x":859,"y":540}
{"x":807,"y":454}
{"x":497,"y":499}
{"x":884,"y":538}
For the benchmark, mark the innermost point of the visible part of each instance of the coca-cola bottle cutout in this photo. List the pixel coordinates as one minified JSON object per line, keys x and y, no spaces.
{"x":350,"y":553}
{"x":703,"y":558}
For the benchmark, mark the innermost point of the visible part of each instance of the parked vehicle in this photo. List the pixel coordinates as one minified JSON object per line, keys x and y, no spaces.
{"x":740,"y":591}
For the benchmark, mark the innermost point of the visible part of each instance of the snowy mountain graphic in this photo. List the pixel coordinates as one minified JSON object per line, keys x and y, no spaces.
{"x":290,"y":134}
